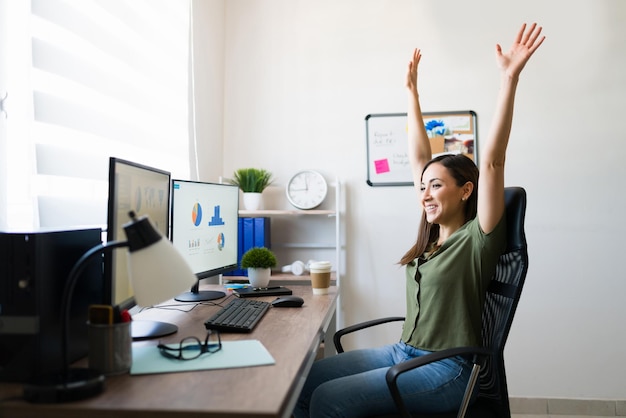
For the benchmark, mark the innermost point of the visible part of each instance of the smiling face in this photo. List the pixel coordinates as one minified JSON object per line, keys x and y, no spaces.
{"x":443,"y":199}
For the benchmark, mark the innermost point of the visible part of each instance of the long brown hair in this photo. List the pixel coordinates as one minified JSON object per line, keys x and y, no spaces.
{"x":462,"y":169}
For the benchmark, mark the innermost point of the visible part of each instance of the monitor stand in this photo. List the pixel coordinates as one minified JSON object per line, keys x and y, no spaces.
{"x":145,"y":329}
{"x":196,"y":295}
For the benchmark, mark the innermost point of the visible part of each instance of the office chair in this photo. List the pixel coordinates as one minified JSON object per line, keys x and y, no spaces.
{"x":500,"y":304}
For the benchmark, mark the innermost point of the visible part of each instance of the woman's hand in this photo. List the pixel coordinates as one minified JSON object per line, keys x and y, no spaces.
{"x":418,"y":142}
{"x":525,"y":44}
{"x":411,"y":73}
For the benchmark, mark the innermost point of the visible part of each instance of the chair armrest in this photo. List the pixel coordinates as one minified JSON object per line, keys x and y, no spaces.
{"x":360,"y":326}
{"x":479,"y":354}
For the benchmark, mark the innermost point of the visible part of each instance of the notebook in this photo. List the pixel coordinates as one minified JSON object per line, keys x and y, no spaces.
{"x":250,"y":292}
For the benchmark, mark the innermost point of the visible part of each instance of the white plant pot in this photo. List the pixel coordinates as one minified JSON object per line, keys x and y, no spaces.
{"x":252,"y":201}
{"x":259,"y":277}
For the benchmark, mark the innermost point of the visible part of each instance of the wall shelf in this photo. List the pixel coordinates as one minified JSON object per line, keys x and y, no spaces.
{"x":280,"y":278}
{"x":282,"y":212}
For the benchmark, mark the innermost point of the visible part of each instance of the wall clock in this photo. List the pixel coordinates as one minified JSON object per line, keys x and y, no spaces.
{"x":306,"y":189}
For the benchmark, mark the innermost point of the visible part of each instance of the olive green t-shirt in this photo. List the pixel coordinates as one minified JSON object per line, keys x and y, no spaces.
{"x":445,"y":298}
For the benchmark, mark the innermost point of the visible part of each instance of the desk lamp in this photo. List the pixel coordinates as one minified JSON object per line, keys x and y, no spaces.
{"x":157,"y":272}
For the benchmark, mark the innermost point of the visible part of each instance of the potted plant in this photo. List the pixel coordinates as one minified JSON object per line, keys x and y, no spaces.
{"x":252,"y":182}
{"x":259,"y":262}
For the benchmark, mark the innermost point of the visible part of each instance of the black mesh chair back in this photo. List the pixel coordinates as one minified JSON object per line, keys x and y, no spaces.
{"x":500,"y":306}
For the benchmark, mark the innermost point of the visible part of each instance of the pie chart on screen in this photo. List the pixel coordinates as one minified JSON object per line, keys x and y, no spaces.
{"x":196,"y":214}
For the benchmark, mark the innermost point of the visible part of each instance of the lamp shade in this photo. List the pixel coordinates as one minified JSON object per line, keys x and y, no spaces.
{"x":156,"y":269}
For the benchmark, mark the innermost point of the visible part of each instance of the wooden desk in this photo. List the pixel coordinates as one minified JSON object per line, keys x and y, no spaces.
{"x":291,"y":335}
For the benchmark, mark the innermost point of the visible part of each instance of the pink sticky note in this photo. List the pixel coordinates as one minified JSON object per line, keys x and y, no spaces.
{"x":382,"y":166}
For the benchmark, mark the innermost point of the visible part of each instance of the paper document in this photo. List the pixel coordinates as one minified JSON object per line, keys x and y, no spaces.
{"x":246,"y":353}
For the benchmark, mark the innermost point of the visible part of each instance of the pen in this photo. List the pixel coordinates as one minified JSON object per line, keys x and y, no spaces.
{"x":117,"y":316}
{"x":268,"y":288}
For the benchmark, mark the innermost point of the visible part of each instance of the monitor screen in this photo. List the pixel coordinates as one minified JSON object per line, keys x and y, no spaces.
{"x":204,"y":230}
{"x":146,"y":191}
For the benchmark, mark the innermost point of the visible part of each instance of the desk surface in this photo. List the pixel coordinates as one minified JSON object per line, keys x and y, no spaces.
{"x":291,"y":335}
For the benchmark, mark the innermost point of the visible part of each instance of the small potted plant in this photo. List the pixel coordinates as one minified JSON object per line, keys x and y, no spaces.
{"x":259,"y":261}
{"x":252,"y":182}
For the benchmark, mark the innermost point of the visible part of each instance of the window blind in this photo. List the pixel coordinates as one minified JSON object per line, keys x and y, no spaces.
{"x":106,"y":78}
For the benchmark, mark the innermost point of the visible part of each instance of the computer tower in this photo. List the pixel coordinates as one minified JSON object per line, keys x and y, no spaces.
{"x":34,"y":268}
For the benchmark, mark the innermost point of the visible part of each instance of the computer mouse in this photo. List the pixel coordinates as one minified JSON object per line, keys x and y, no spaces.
{"x":288,"y":302}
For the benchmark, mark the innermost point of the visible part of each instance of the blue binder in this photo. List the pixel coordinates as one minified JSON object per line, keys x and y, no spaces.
{"x":253,"y":232}
{"x":262,"y":232}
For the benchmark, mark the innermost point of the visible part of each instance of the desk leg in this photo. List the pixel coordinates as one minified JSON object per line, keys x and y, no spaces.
{"x":329,"y":348}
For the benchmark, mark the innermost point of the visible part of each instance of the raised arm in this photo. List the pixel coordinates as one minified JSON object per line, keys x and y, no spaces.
{"x":493,"y":150}
{"x":419,"y":145}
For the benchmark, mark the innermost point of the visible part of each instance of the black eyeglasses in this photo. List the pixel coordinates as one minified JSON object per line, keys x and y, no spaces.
{"x":191,"y":348}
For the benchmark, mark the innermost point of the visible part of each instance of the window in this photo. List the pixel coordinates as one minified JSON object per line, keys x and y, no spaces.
{"x":85,"y":80}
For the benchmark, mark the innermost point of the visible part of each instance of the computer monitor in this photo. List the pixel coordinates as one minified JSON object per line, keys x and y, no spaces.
{"x":204,"y":229}
{"x":145,"y":190}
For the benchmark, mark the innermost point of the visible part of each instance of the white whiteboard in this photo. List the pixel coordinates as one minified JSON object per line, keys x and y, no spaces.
{"x":387,"y":151}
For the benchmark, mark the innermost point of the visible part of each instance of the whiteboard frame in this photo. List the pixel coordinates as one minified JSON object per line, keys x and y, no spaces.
{"x":387,"y":174}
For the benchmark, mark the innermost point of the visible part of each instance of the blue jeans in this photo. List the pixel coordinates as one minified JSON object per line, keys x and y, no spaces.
{"x":352,"y":384}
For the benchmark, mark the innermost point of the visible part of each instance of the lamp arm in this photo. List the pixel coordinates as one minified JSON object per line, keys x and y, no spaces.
{"x":69,"y":290}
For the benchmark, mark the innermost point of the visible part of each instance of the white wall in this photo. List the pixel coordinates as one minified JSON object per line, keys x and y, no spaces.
{"x":4,"y":218}
{"x":208,"y":90}
{"x":300,"y":77}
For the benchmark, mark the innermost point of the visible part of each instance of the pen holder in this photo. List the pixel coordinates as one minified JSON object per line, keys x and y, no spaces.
{"x":110,"y":347}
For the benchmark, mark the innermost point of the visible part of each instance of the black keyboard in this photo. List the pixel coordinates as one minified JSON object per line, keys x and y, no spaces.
{"x":239,"y":315}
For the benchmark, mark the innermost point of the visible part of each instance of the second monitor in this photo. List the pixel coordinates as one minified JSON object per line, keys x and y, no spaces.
{"x":204,"y":228}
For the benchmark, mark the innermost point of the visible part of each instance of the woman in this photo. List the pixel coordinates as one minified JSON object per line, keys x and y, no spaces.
{"x":461,"y":236}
